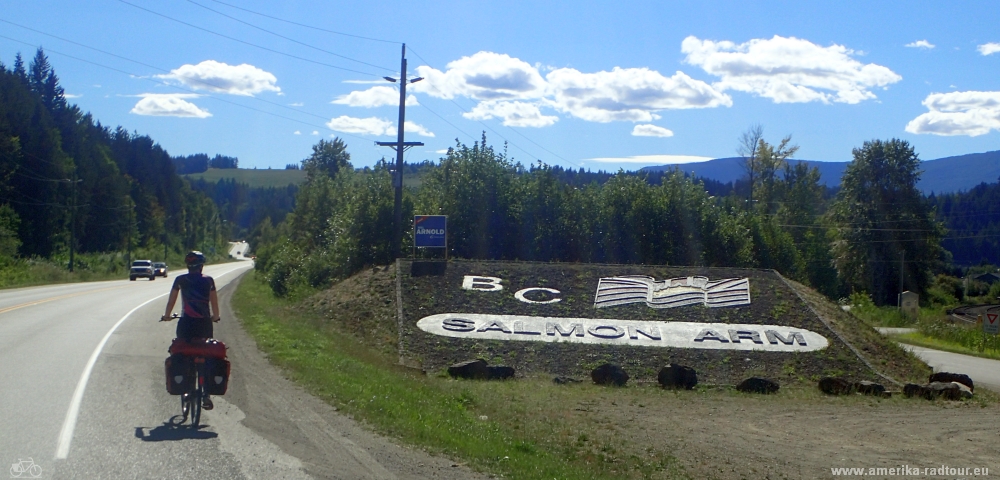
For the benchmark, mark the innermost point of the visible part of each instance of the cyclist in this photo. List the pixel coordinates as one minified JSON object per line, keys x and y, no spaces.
{"x":200,"y":304}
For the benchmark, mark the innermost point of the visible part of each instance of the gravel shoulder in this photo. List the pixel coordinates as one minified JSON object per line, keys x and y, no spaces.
{"x":329,"y":444}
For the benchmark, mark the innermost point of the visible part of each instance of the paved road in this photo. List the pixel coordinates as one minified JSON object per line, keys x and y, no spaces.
{"x":83,"y":397}
{"x":983,"y":371}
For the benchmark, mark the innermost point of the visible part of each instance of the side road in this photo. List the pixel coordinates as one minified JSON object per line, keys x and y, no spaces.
{"x":328,"y":444}
{"x":983,"y":371}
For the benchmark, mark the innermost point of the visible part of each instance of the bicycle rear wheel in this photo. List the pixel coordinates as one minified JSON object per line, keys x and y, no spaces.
{"x":196,"y":397}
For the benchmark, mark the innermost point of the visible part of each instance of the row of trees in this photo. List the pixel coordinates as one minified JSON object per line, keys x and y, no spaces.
{"x":201,"y":162}
{"x":498,"y":209}
{"x":66,"y":179}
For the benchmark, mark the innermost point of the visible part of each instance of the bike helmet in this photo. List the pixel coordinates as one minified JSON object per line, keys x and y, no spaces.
{"x":194,"y":259}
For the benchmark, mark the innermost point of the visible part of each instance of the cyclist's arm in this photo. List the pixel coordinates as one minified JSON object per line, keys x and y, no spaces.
{"x":171,"y":301}
{"x":213,"y":301}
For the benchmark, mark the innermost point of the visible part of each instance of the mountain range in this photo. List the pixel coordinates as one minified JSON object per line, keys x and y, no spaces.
{"x":941,"y":175}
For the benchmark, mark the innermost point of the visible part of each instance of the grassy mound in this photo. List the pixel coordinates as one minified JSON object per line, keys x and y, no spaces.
{"x":775,"y":301}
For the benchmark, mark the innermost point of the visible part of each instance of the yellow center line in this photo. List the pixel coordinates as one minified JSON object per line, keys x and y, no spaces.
{"x":52,"y":299}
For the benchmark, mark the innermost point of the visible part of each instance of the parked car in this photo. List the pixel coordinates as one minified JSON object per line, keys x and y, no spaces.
{"x":141,"y":268}
{"x":160,"y":269}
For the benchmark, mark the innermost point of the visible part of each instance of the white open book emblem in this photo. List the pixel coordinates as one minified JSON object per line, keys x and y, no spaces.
{"x":672,"y":292}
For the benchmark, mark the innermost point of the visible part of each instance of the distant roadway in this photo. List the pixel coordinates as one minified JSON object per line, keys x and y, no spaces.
{"x":83,"y":396}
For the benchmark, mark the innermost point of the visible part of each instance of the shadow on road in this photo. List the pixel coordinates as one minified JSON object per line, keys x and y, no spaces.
{"x":171,"y":431}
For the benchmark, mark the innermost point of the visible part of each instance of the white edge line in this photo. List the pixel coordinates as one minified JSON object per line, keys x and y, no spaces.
{"x":69,"y":424}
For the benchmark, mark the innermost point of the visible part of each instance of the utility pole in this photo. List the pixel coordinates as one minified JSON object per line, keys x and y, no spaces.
{"x":902,"y":262}
{"x":131,"y":220}
{"x":400,"y":146}
{"x":72,"y":223}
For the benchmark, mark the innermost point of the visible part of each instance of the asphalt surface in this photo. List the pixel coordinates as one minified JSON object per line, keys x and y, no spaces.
{"x":983,"y":371}
{"x":122,"y":424}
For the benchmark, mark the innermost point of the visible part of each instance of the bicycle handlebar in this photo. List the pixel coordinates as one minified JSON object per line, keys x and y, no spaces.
{"x":176,"y":315}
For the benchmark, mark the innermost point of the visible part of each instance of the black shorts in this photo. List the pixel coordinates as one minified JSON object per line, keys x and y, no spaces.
{"x":188,"y":327}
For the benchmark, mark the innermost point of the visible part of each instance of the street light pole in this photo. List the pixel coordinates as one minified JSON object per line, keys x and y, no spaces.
{"x":400,"y":146}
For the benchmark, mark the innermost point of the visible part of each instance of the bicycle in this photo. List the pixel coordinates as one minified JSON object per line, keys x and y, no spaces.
{"x":22,"y":467}
{"x":195,"y":393}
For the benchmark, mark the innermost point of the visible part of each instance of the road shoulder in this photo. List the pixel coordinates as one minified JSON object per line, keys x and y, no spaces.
{"x":329,"y":444}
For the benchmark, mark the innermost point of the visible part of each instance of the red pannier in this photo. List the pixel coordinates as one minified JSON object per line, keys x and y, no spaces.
{"x":180,"y":374}
{"x":216,"y":376}
{"x":208,"y":348}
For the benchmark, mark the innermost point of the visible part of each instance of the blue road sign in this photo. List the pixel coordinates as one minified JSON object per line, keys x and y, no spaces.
{"x":430,"y":231}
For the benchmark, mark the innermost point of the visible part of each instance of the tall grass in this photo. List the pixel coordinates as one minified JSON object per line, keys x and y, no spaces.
{"x":970,"y":337}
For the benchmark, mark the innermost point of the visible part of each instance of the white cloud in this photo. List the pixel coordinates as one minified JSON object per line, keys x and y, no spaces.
{"x":296,"y":133}
{"x":989,"y":48}
{"x":315,"y":132}
{"x":374,"y":97}
{"x":415,"y":128}
{"x":72,"y":95}
{"x":920,"y":44}
{"x":653,"y":159}
{"x":369,"y":126}
{"x":629,"y":94}
{"x":296,"y":104}
{"x":647,"y":130}
{"x":483,"y":76}
{"x":218,"y":77}
{"x":958,"y":113}
{"x":168,"y":105}
{"x":442,"y":152}
{"x":788,"y":70}
{"x":515,"y":91}
{"x":373,"y":126}
{"x":514,"y":114}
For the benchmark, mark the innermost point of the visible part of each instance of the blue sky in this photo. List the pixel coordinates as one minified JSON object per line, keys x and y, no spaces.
{"x":593,"y":84}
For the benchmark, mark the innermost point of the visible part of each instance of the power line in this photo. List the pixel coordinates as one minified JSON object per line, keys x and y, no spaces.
{"x":290,"y":39}
{"x":190,"y":90}
{"x":304,"y":25}
{"x":248,"y":43}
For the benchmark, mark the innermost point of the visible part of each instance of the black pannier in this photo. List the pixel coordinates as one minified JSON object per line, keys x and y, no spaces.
{"x":180,"y":374}
{"x":216,"y":376}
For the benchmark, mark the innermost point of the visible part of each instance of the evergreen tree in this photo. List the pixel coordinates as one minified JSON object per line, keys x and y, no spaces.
{"x":882,"y":222}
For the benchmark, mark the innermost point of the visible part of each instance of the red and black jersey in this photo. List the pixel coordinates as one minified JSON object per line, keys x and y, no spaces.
{"x":195,"y":290}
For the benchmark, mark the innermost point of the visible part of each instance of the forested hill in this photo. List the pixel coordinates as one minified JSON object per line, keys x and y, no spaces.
{"x":942,"y":175}
{"x":64,"y":175}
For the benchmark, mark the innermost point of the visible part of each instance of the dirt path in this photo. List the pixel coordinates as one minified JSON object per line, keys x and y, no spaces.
{"x":734,"y":436}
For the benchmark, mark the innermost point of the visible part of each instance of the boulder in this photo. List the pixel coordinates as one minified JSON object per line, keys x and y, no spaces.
{"x":964,"y":392}
{"x":869,"y":388}
{"x":500,"y":373}
{"x":945,"y":390}
{"x":470,"y":369}
{"x":677,"y":376}
{"x":609,"y":374}
{"x":913,"y":390}
{"x":835,"y":386}
{"x":952,"y":377}
{"x":758,"y":385}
